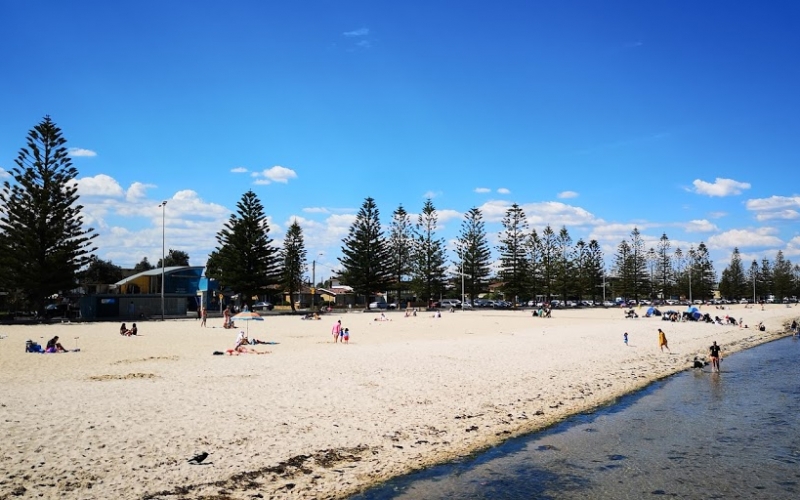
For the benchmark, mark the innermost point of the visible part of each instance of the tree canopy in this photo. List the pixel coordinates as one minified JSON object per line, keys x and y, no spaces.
{"x":43,"y":241}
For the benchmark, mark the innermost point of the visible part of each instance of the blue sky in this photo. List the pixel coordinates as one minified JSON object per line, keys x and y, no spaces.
{"x":675,"y":117}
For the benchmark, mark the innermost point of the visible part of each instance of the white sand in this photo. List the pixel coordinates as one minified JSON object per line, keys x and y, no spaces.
{"x":312,"y":419}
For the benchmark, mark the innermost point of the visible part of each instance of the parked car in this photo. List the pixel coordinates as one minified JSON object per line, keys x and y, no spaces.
{"x":448,"y":303}
{"x":378,"y":305}
{"x":465,"y":305}
{"x":263,"y":306}
{"x":501,"y":304}
{"x":608,"y":303}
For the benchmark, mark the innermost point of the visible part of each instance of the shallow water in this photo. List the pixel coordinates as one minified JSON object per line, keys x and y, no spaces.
{"x":698,"y":434}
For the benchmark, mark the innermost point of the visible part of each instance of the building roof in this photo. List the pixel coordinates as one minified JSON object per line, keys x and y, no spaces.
{"x":157,"y":272}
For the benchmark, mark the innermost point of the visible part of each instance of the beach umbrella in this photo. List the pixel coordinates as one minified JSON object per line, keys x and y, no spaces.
{"x":247,"y":316}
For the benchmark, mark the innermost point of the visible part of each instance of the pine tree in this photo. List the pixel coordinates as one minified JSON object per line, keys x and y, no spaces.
{"x":365,"y":253}
{"x":781,"y":277}
{"x":401,"y":243}
{"x":733,"y":282}
{"x":175,"y":258}
{"x":143,"y":265}
{"x":428,"y":255}
{"x":549,"y":253}
{"x":294,"y":261}
{"x":565,"y":265}
{"x":245,"y":260}
{"x":664,"y":268}
{"x":474,"y":254}
{"x":513,"y":254}
{"x":43,"y":244}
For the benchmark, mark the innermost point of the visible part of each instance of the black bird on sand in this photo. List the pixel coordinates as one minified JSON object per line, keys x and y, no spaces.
{"x":198,"y":459}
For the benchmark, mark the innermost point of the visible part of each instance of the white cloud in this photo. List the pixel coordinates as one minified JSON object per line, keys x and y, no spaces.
{"x":482,"y":190}
{"x":138,"y":191}
{"x":720,"y":187}
{"x":742,"y":238}
{"x":99,"y":185}
{"x":316,"y":210}
{"x":781,"y":215}
{"x":773,"y":203}
{"x":431,"y":194}
{"x":717,"y":215}
{"x":567,"y":194}
{"x":75,"y":152}
{"x":358,"y":32}
{"x":447,"y":214}
{"x":504,"y":191}
{"x":364,"y":44}
{"x":239,"y":170}
{"x":4,"y":173}
{"x":700,"y":226}
{"x":274,"y":174}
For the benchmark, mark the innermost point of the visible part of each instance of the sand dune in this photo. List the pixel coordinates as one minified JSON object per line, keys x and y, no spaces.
{"x":311,"y":419}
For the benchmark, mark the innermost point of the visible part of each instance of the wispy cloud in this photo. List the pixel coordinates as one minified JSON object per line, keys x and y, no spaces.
{"x":567,"y":194}
{"x":239,"y":170}
{"x":431,"y":194}
{"x":316,"y":210}
{"x":483,"y":190}
{"x":274,"y":174}
{"x":504,"y":191}
{"x":138,"y":191}
{"x":779,"y":215}
{"x":700,"y":226}
{"x":364,"y":44}
{"x":720,"y":187}
{"x":358,"y":32}
{"x":4,"y":173}
{"x":74,"y":152}
{"x":773,"y":203}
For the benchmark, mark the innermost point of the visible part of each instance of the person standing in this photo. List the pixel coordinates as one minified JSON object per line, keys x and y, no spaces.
{"x":625,"y":338}
{"x":336,"y":330}
{"x":714,"y":354}
{"x":662,"y":340}
{"x":203,"y":316}
{"x":226,"y":317}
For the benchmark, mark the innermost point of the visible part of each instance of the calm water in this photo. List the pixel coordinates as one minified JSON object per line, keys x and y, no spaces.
{"x":696,"y":435}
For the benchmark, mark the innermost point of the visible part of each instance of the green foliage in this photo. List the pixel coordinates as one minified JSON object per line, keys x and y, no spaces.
{"x":43,"y":244}
{"x":428,"y":265}
{"x":294,"y":260}
{"x":245,"y":260}
{"x":175,"y":258}
{"x":365,"y":253}
{"x":513,"y":254}
{"x":100,"y":271}
{"x":401,"y":241}
{"x":142,"y":266}
{"x":474,"y":254}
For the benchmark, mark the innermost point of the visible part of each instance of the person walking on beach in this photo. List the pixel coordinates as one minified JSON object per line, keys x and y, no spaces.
{"x":336,"y":330}
{"x":346,"y":336}
{"x":203,"y":316}
{"x":714,"y":354}
{"x":625,"y":337}
{"x":662,"y":340}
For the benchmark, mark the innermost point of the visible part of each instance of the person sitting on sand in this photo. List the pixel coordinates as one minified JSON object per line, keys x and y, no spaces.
{"x":241,"y":340}
{"x":54,"y":346}
{"x":133,"y":330}
{"x":123,"y":330}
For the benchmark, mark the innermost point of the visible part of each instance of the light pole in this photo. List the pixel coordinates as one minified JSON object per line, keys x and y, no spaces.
{"x":754,"y":268}
{"x":162,"y":206}
{"x":314,"y":282}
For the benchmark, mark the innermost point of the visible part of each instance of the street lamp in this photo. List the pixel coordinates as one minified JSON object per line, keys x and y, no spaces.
{"x":314,"y":282}
{"x":162,"y":206}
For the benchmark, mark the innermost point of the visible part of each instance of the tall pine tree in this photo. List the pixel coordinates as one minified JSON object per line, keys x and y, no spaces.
{"x":401,"y":243}
{"x":513,"y":254}
{"x":428,"y":255}
{"x":365,"y":253}
{"x":473,"y":252}
{"x":43,"y":243}
{"x":245,"y":260}
{"x":294,"y":261}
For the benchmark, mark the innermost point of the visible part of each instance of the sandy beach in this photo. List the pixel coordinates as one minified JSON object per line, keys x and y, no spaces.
{"x":314,"y":419}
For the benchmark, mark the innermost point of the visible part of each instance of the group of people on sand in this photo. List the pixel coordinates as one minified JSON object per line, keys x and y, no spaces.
{"x":340,"y":334}
{"x":127,"y":332}
{"x":52,"y":346}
